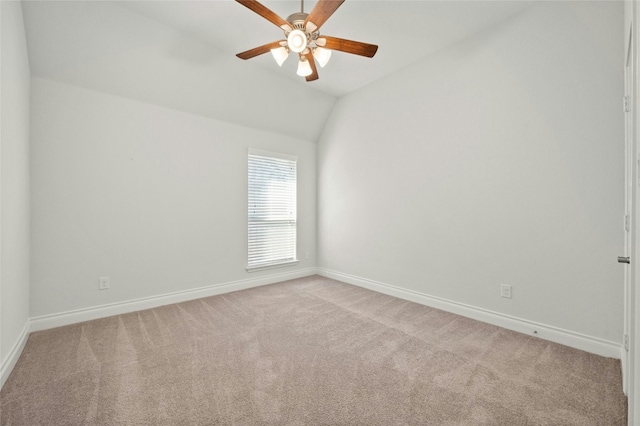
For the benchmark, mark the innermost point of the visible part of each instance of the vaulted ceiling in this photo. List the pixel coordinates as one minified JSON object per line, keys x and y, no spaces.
{"x":181,"y":54}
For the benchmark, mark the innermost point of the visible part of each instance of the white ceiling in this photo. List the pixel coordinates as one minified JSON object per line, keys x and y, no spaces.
{"x":405,"y":31}
{"x":181,"y":54}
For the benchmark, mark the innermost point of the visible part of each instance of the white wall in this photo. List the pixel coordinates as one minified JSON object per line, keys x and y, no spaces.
{"x":108,"y":48}
{"x":14,"y":188}
{"x":497,"y":160}
{"x":152,"y":197}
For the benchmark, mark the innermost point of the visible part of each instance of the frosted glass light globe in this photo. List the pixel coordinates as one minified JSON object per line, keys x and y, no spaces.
{"x":280,"y":54}
{"x":322,"y":55}
{"x":297,"y":41}
{"x":304,"y":68}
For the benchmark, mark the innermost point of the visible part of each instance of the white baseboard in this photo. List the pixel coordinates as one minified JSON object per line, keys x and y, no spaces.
{"x":7,"y":365}
{"x":624,"y":359}
{"x":554,"y":334}
{"x":564,"y":337}
{"x":45,"y":322}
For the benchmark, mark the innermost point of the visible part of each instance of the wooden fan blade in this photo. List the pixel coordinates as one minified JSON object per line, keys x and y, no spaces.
{"x":350,"y":46}
{"x":265,"y":12}
{"x":256,"y":51}
{"x":314,"y":69}
{"x":322,"y":11}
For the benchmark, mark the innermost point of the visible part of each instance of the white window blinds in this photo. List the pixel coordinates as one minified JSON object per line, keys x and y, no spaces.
{"x":272,"y":209}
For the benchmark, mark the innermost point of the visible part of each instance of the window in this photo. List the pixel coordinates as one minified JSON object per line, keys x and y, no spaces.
{"x":272,"y":210}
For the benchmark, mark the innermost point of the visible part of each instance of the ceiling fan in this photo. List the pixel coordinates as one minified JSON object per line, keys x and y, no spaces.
{"x":301,"y":31}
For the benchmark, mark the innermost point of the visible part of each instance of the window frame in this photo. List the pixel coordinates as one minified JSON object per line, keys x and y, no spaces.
{"x":278,"y":263}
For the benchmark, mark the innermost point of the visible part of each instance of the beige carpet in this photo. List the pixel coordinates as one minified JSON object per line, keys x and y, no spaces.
{"x":305,"y":352}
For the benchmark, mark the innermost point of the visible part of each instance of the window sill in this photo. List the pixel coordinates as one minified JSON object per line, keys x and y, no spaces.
{"x":272,"y":265}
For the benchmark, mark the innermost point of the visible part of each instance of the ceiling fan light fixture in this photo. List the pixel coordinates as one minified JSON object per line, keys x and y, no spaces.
{"x":302,"y":33}
{"x":297,"y":41}
{"x":280,"y":54}
{"x":322,"y":55}
{"x":304,"y":68}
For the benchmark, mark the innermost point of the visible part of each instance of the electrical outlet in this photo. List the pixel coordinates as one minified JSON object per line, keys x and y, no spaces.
{"x":505,"y":291}
{"x":103,"y":283}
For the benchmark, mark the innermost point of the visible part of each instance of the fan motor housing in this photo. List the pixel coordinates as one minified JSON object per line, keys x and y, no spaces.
{"x":297,"y":20}
{"x":297,"y":23}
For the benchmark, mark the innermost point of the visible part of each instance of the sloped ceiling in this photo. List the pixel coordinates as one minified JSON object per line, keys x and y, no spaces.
{"x":181,"y":54}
